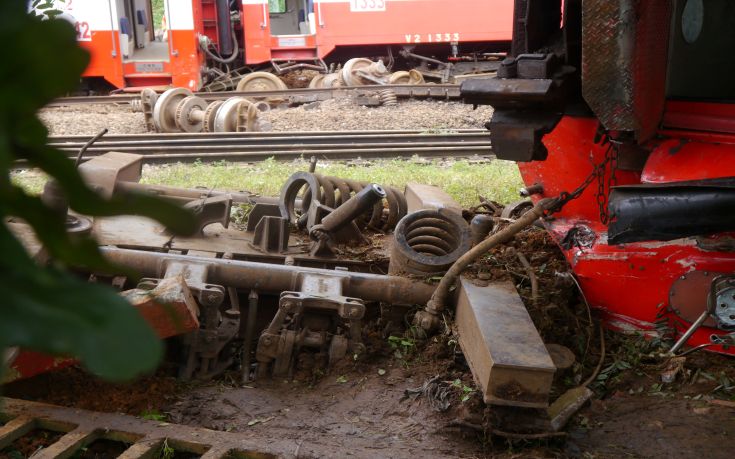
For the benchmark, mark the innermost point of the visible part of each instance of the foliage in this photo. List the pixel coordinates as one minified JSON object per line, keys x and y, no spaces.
{"x":44,"y":307}
{"x":46,"y":8}
{"x":166,"y":451}
{"x":158,"y":11}
{"x":402,"y":347}
{"x":153,"y":415}
{"x":465,"y":391}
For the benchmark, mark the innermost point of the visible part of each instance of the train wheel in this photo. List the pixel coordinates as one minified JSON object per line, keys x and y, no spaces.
{"x":164,"y":112}
{"x":415,"y":77}
{"x":184,"y":110}
{"x":210,"y":114}
{"x":261,"y":81}
{"x":331,"y":80}
{"x":227,"y":115}
{"x":400,"y":77}
{"x":349,"y":71}
{"x":316,"y":82}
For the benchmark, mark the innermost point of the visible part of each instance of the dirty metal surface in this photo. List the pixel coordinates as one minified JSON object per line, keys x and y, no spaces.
{"x":507,"y":356}
{"x":420,"y":196}
{"x":103,"y":174}
{"x":140,"y":233}
{"x":688,"y":295}
{"x":624,"y":54}
{"x":145,"y":437}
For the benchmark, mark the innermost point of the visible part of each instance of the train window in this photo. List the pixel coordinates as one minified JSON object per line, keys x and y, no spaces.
{"x":701,"y":63}
{"x":692,"y":19}
{"x":277,"y":6}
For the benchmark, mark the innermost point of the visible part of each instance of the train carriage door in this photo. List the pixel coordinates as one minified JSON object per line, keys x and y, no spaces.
{"x":158,"y":43}
{"x":292,"y":28}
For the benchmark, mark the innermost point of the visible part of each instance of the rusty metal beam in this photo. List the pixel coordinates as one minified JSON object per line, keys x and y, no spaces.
{"x":508,"y":358}
{"x":274,"y":278}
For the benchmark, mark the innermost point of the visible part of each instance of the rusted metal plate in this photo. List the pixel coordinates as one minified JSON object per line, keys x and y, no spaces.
{"x":103,"y":172}
{"x":420,"y":196}
{"x":507,"y":357}
{"x":170,"y":308}
{"x":146,"y":437}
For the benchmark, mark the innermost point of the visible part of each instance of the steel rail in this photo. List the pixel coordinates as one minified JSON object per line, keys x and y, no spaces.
{"x":252,"y":147}
{"x":287,"y":155}
{"x":258,"y":135}
{"x":282,"y":139}
{"x":440,"y":151}
{"x":442,"y":91}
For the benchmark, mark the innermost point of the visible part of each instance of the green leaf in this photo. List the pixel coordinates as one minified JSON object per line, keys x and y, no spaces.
{"x":50,"y":311}
{"x":342,"y":379}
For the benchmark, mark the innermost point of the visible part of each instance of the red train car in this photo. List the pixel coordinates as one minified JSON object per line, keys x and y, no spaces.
{"x":137,"y":43}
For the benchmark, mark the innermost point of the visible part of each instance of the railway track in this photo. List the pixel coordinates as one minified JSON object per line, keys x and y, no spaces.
{"x":302,"y":95}
{"x":250,"y":147}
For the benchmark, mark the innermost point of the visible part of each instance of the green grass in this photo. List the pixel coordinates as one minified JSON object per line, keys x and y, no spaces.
{"x":158,"y":10}
{"x":464,"y":181}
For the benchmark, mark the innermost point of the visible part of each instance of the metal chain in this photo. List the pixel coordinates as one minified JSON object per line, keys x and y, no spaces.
{"x":598,"y":173}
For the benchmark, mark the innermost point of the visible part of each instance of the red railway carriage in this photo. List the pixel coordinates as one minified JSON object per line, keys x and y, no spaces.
{"x":306,"y":29}
{"x":133,"y":46}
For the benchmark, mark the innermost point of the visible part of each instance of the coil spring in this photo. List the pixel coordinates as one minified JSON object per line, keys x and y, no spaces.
{"x":388,"y":97}
{"x":428,"y":241}
{"x":432,"y":236}
{"x":335,"y":191}
{"x":136,"y":105}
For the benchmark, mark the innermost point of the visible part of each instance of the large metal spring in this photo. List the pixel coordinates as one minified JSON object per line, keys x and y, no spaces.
{"x":428,"y":242}
{"x":335,"y":191}
{"x":388,"y":97}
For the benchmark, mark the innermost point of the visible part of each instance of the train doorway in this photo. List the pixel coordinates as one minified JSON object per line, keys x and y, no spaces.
{"x":143,"y":31}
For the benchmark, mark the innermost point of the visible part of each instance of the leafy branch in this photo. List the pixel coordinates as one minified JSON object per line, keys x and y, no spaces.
{"x":46,"y":308}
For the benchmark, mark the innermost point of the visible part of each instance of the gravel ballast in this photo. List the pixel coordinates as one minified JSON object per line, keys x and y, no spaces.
{"x":330,"y":115}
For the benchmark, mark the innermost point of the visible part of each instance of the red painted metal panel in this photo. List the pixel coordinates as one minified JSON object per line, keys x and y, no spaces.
{"x":677,"y":160}
{"x":700,"y":116}
{"x":105,"y":57}
{"x":629,"y":284}
{"x":401,"y":22}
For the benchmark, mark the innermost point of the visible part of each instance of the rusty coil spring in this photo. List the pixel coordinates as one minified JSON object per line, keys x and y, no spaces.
{"x":335,"y":191}
{"x":432,"y":236}
{"x":428,"y":242}
{"x":388,"y":97}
